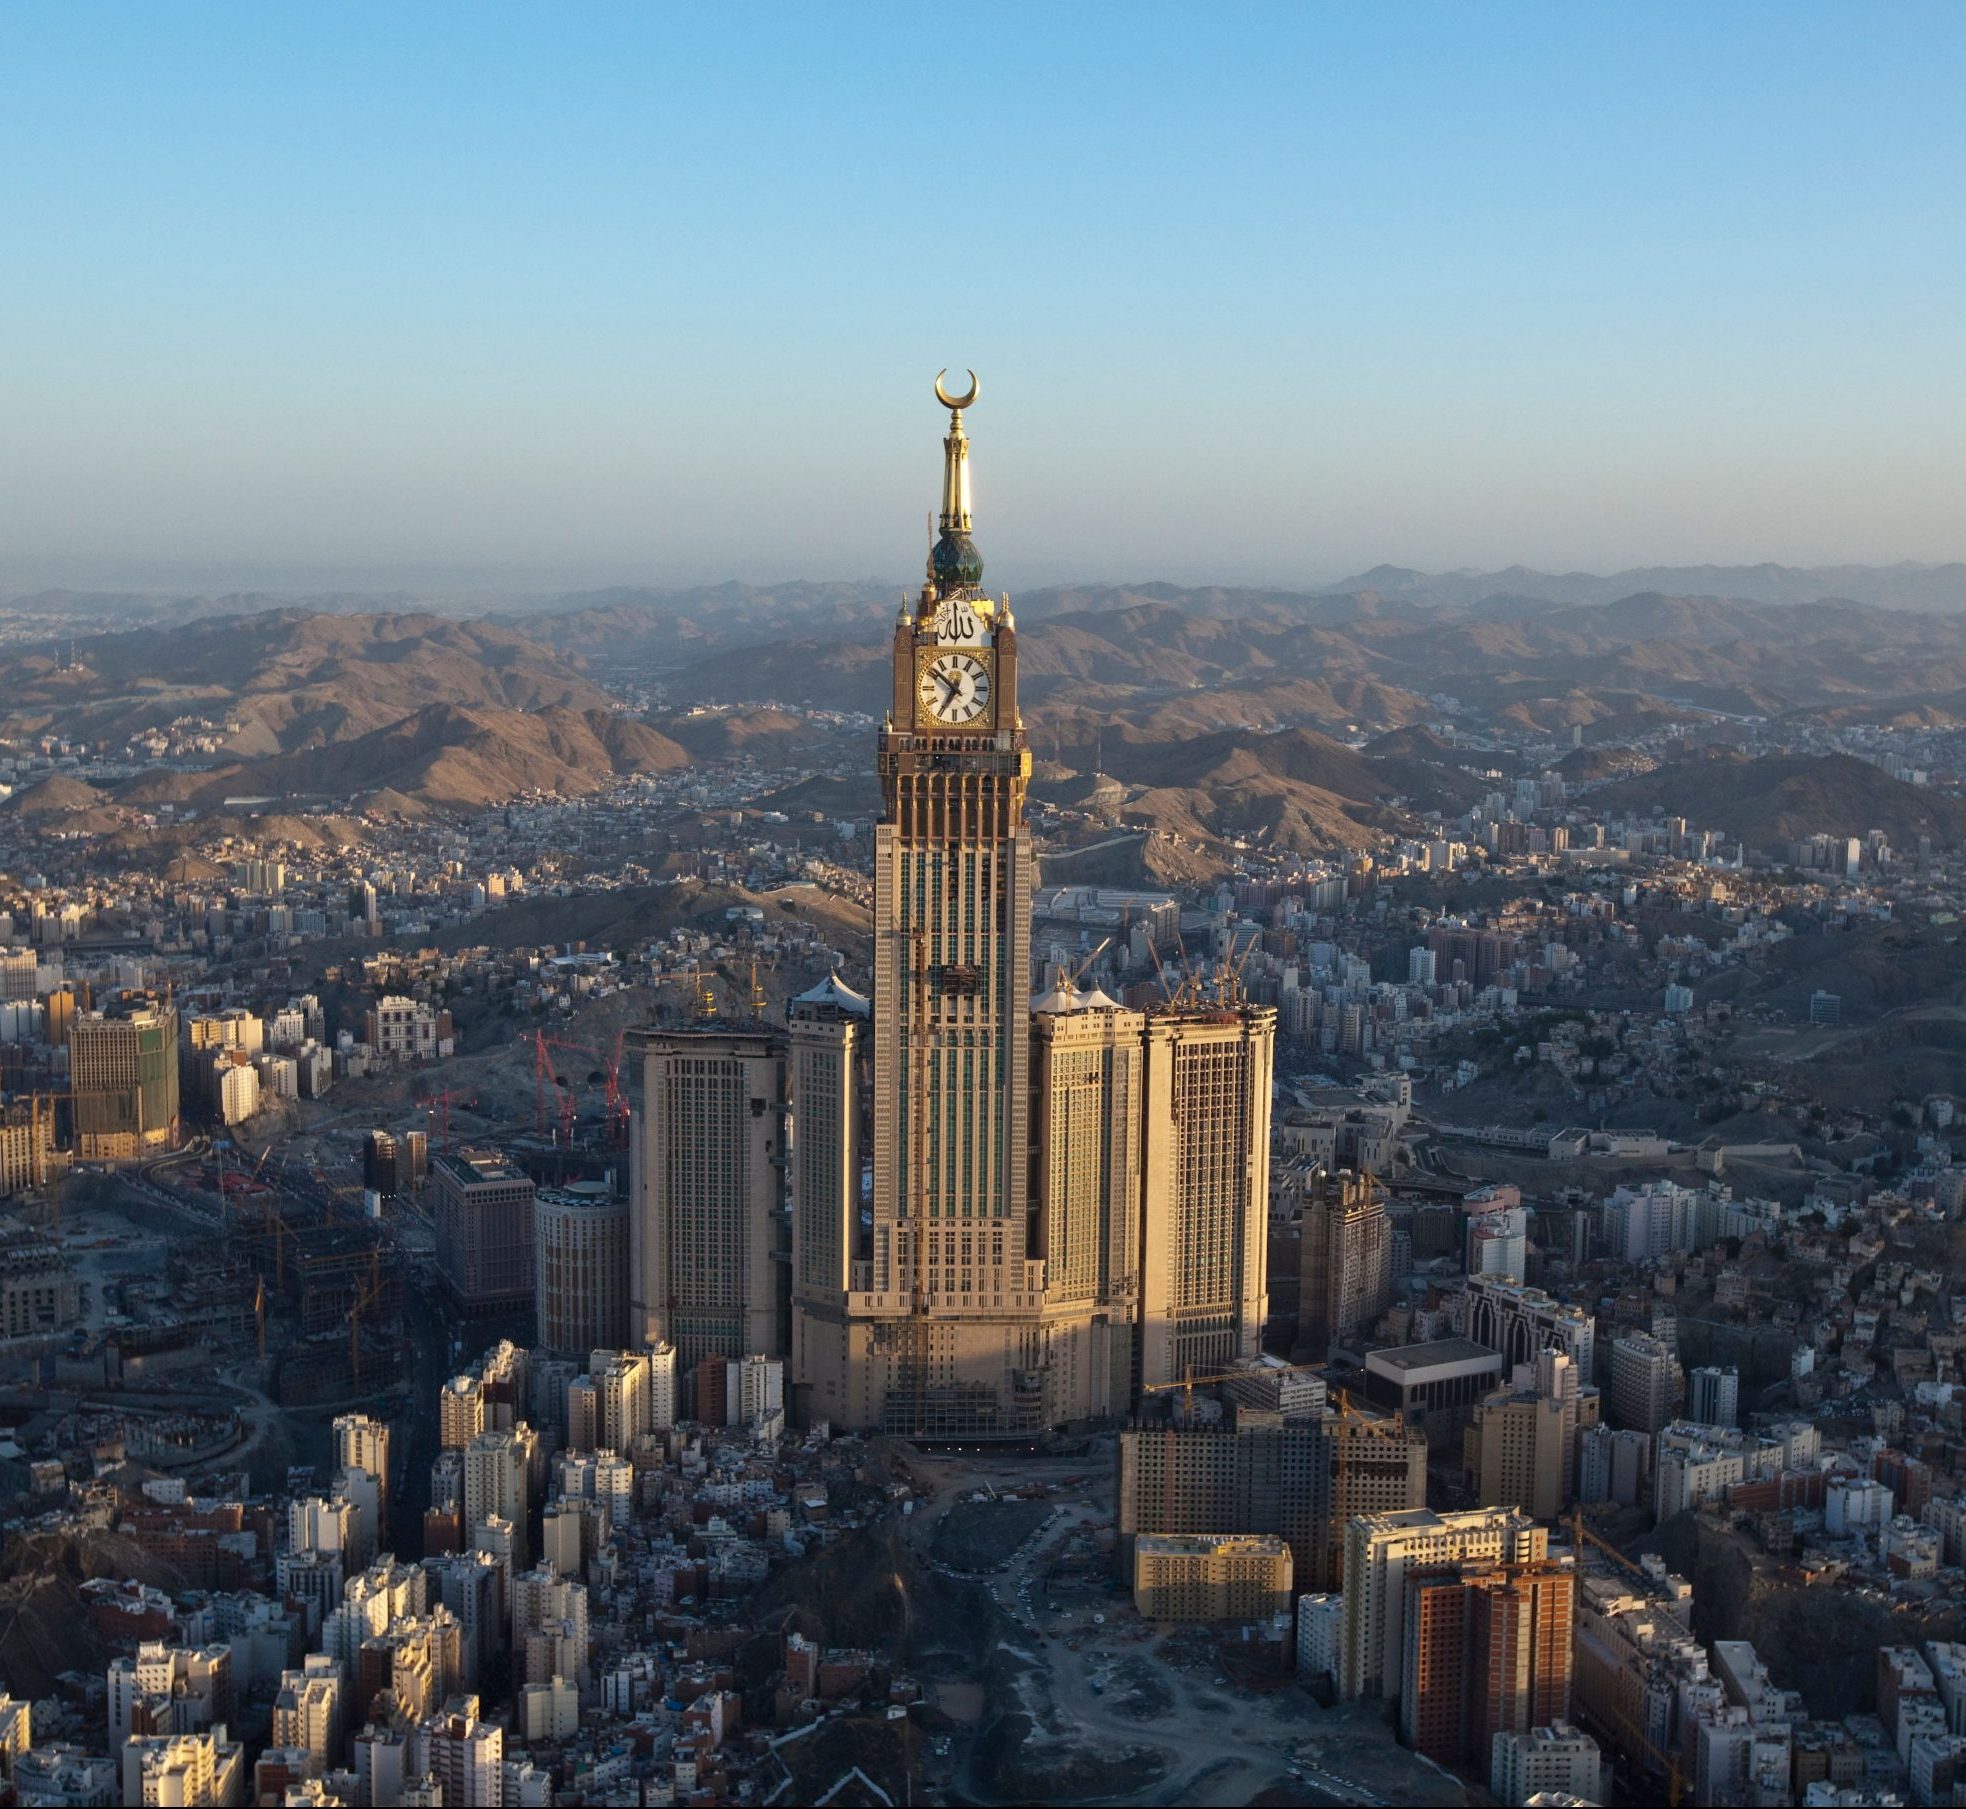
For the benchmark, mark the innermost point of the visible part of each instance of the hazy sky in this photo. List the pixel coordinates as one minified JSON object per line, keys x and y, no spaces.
{"x":654,"y":293}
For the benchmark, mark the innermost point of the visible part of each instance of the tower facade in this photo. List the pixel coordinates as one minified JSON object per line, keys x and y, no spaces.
{"x":946,"y":1338}
{"x":705,"y":1182}
{"x":828,"y":1077}
{"x":1205,"y":1156}
{"x":1088,"y":1064}
{"x":1346,"y":1253}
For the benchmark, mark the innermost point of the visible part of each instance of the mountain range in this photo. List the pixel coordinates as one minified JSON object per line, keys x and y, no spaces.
{"x":1208,"y":713}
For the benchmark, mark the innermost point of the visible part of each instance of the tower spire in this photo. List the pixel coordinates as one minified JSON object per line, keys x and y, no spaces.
{"x":954,"y":565}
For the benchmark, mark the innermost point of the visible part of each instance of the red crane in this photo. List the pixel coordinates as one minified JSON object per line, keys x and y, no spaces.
{"x":440,"y":1104}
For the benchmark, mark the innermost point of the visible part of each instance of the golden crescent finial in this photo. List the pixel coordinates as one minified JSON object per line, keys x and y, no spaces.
{"x":949,"y":401}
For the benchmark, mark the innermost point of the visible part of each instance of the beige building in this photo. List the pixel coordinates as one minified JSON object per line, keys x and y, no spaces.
{"x":362,"y":1443}
{"x":28,"y":1157}
{"x":705,"y":1190}
{"x":1381,"y":1550}
{"x":123,"y":1071}
{"x":946,"y":1338}
{"x":1345,"y":1257}
{"x":1068,"y":1198}
{"x":1088,"y":1065}
{"x":1204,"y":1288}
{"x":1211,"y":1576}
{"x":580,"y":1267}
{"x":1523,"y":1766}
{"x":1522,"y":1446}
{"x":829,"y":1059}
{"x":1303,"y":1482}
{"x":199,"y":1771}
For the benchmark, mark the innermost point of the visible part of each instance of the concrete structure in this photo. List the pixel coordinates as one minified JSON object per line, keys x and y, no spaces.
{"x":1203,"y":1264}
{"x":1522,"y":1446}
{"x":465,"y":1755}
{"x":1270,"y":1385}
{"x":188,"y":1771}
{"x":1211,"y":1577}
{"x":362,"y":1443}
{"x":402,"y":1030}
{"x":1520,"y":1321}
{"x":1344,"y":1259}
{"x":483,"y":1206}
{"x":1381,"y":1550}
{"x":1855,"y":1504}
{"x":1435,"y":1385}
{"x":307,"y":1712}
{"x":1645,"y":1382}
{"x":1320,"y":1630}
{"x":706,"y":1235}
{"x":580,"y":1267}
{"x":28,"y":1156}
{"x":829,"y":1056}
{"x":123,"y":1072}
{"x":1302,"y":1482}
{"x":1559,"y":1757}
{"x":39,"y":1292}
{"x":1485,"y":1650}
{"x":498,"y":1473}
{"x":1088,"y":1068}
{"x":1713,"y":1396}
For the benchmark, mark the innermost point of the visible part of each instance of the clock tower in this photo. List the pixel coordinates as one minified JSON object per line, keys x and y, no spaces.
{"x":949,"y":1319}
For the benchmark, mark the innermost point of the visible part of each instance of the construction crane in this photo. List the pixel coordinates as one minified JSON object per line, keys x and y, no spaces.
{"x":1078,"y":973}
{"x":366,"y":1295}
{"x":440,"y":1104}
{"x":1189,"y":1380}
{"x":274,"y":1221}
{"x":259,"y":1314}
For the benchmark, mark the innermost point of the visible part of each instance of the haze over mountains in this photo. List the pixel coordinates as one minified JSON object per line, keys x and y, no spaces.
{"x":1211,"y":713}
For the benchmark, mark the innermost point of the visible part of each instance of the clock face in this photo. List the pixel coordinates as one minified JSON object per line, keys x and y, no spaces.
{"x":957,"y":624}
{"x":955,"y":688}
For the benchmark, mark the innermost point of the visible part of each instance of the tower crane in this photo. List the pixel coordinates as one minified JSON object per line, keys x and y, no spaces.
{"x":366,"y":1295}
{"x":1189,"y":1380}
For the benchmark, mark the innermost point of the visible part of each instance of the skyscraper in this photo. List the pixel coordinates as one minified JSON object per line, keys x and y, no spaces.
{"x":1486,"y":1650}
{"x":1204,"y":1280}
{"x":484,"y":1229}
{"x":705,"y":1188}
{"x":1645,"y":1382}
{"x":828,"y":1079}
{"x":1068,"y":1198}
{"x":580,"y":1267}
{"x":1346,"y":1260}
{"x":1383,"y":1550}
{"x":1088,"y":1071}
{"x":123,"y":1069}
{"x":948,"y":1338}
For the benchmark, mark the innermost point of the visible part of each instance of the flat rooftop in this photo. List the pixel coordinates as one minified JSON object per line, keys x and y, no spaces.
{"x":1404,"y":1359}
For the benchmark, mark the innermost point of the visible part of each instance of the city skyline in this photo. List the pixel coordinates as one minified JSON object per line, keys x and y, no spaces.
{"x":375,"y":303}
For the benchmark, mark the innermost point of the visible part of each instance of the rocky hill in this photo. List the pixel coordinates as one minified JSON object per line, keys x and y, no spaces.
{"x":285,"y":679}
{"x":1174,"y":661}
{"x":1777,"y":798}
{"x":442,"y":757}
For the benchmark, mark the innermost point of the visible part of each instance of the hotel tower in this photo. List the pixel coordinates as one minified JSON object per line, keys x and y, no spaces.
{"x":1068,"y":1196}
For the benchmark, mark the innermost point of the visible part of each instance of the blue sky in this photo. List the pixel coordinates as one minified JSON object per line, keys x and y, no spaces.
{"x":525,"y":296}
